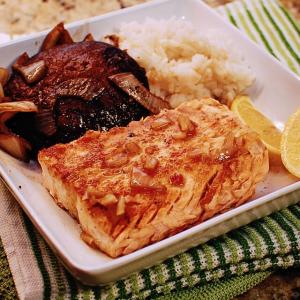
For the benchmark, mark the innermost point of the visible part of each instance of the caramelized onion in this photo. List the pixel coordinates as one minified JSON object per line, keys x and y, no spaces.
{"x":108,"y":199}
{"x":112,"y":39}
{"x":142,"y":181}
{"x":44,"y":121}
{"x":89,"y":38}
{"x":5,"y":99}
{"x":65,"y":38}
{"x":134,"y":88}
{"x":151,"y":163}
{"x":116,"y":161}
{"x":21,"y":60}
{"x":3,"y":118}
{"x":32,"y":73}
{"x":160,"y":123}
{"x":15,"y":146}
{"x":4,"y":75}
{"x":121,"y":206}
{"x":53,"y":37}
{"x":1,"y":91}
{"x":132,"y":148}
{"x":18,"y":106}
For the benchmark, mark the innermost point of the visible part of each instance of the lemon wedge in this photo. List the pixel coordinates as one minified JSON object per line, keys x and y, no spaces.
{"x":290,"y":144}
{"x":269,"y":134}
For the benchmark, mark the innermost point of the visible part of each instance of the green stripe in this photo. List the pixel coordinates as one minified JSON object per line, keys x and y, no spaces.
{"x":172,"y":272}
{"x":147,"y":279}
{"x":85,"y":293}
{"x":161,"y":278}
{"x":241,"y":238}
{"x":109,"y":293}
{"x":243,"y":242}
{"x":293,"y":23}
{"x":197,"y":263}
{"x":273,"y":226}
{"x":37,"y":253}
{"x":220,"y":251}
{"x":265,"y":235}
{"x":57,"y":272}
{"x":242,"y":20}
{"x":230,"y":17}
{"x":274,"y":39}
{"x":121,"y":289}
{"x":184,"y":259}
{"x":283,"y":22}
{"x":97,"y":292}
{"x":72,"y":285}
{"x":295,"y":211}
{"x":287,"y":228}
{"x":146,"y":275}
{"x":254,"y":237}
{"x":255,"y":25}
{"x":233,"y":249}
{"x":208,"y":256}
{"x":288,"y":215}
{"x":221,"y":254}
{"x":289,"y":47}
{"x":134,"y":284}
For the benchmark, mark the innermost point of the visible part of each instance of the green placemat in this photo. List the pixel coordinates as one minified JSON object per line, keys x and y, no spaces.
{"x":219,"y":269}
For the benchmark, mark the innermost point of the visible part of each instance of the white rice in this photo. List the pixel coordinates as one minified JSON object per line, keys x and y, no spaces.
{"x":182,"y":64}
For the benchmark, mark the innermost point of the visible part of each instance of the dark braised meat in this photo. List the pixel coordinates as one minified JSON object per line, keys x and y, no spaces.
{"x":73,"y":92}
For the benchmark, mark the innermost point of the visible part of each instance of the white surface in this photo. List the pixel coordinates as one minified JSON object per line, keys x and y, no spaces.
{"x":276,"y":92}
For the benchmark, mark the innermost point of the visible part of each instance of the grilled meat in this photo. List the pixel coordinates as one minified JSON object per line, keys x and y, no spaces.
{"x":135,"y":185}
{"x":73,"y":92}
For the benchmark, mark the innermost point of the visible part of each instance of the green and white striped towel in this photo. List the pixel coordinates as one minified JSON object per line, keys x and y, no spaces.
{"x":219,"y":269}
{"x":270,"y":25}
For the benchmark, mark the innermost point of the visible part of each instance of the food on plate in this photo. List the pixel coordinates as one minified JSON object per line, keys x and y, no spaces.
{"x":269,"y":134}
{"x":73,"y":88}
{"x":182,"y":64}
{"x":135,"y":185}
{"x":290,"y":144}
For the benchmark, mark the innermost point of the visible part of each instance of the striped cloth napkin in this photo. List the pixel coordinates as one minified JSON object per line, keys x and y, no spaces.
{"x":220,"y":269}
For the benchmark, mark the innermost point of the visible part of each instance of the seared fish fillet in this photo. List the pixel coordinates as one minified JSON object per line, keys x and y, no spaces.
{"x":135,"y":185}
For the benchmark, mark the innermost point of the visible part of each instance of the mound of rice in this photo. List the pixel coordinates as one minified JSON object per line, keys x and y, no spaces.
{"x":182,"y":64}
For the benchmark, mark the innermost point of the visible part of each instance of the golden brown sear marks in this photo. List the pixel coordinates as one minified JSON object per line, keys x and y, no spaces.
{"x":135,"y":185}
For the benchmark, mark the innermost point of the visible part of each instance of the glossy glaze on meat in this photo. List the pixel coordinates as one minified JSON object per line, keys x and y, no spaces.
{"x":76,"y":92}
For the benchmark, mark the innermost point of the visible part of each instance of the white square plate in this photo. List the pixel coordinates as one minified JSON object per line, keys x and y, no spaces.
{"x":276,"y":92}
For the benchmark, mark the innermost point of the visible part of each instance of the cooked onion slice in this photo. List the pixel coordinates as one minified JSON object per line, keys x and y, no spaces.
{"x":3,"y":118}
{"x":15,"y":146}
{"x":89,"y":38}
{"x":4,"y":99}
{"x":4,"y":75}
{"x":131,"y":85}
{"x":32,"y":73}
{"x":112,"y":39}
{"x":1,"y":91}
{"x":18,"y":106}
{"x":21,"y":60}
{"x":58,"y":35}
{"x":45,"y":122}
{"x":65,"y":38}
